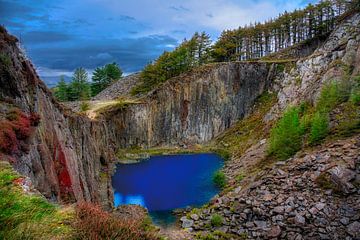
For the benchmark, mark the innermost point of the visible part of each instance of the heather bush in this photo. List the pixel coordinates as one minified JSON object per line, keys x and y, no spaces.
{"x":91,"y":222}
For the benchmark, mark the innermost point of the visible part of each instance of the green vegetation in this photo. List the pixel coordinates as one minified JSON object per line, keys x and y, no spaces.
{"x":216,"y":235}
{"x":116,"y":105}
{"x":306,"y":125}
{"x":240,"y":177}
{"x":219,"y":179}
{"x":245,"y":133}
{"x":355,"y":92}
{"x":104,"y":76}
{"x":286,"y":136}
{"x":91,"y":222}
{"x":319,"y":127}
{"x":122,"y":153}
{"x":189,"y":54}
{"x":5,"y":60}
{"x":81,"y":89}
{"x":216,"y":220}
{"x":289,"y":29}
{"x":62,"y":91}
{"x":28,"y":216}
{"x":84,"y":106}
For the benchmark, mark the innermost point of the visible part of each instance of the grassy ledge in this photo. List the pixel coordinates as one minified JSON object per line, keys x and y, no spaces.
{"x":29,"y":216}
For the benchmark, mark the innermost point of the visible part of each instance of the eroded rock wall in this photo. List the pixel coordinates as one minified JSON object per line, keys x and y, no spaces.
{"x":67,"y":155}
{"x":194,"y":107}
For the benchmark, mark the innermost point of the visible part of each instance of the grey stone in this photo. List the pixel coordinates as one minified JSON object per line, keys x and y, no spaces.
{"x":274,"y":232}
{"x":187,"y":223}
{"x":194,"y":217}
{"x":300,"y":220}
{"x":261,"y":224}
{"x":354,"y":229}
{"x":344,"y":221}
{"x":278,"y":209}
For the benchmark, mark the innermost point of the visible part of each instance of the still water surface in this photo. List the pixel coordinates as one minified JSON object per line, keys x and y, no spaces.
{"x":164,"y":183}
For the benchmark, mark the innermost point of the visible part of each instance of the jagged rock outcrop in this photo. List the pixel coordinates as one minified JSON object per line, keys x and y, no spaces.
{"x":194,"y":107}
{"x":66,"y":156}
{"x":338,"y":56}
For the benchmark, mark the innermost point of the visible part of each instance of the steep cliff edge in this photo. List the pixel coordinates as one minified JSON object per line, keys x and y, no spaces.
{"x":64,"y":153}
{"x":192,"y":108}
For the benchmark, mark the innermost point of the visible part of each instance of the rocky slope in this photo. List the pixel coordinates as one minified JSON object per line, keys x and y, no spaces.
{"x":315,"y":194}
{"x":120,"y":88}
{"x":63,"y":153}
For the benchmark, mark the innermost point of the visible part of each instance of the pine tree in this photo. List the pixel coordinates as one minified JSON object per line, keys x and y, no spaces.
{"x":104,"y":76}
{"x":79,"y":86}
{"x":61,"y":92}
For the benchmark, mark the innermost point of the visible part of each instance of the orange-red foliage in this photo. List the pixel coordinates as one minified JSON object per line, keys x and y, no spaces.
{"x":93,"y":223}
{"x":15,"y":128}
{"x":34,"y":119}
{"x":8,"y":140}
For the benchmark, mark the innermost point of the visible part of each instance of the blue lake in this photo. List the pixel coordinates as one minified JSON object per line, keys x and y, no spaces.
{"x":164,"y":183}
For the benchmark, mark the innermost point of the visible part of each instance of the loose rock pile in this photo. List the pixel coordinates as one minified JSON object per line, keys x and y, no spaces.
{"x":315,"y":195}
{"x":120,"y":88}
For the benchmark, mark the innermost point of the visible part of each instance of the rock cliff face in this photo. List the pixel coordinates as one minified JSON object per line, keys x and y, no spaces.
{"x":314,"y":194}
{"x":64,"y":153}
{"x":338,"y":56}
{"x":194,"y":107}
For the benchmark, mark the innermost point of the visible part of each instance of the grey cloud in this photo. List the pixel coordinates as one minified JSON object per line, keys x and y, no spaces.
{"x":131,"y":54}
{"x":35,"y":37}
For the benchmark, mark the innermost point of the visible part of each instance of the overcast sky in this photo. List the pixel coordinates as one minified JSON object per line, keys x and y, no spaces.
{"x":60,"y":36}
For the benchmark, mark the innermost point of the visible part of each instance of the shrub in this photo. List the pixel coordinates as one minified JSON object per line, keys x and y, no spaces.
{"x":5,"y":60}
{"x":91,"y":222}
{"x":333,"y":94}
{"x":319,"y":127}
{"x":219,"y":179}
{"x":286,"y":136}
{"x":355,"y":91}
{"x":8,"y":140}
{"x":84,"y":106}
{"x":216,"y":220}
{"x":240,"y":177}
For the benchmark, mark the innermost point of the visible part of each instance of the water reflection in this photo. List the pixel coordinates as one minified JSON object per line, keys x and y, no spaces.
{"x":120,"y":199}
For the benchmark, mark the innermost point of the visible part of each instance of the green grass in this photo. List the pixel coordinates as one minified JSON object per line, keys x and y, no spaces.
{"x":216,"y":220}
{"x":246,"y":132}
{"x":219,"y":179}
{"x":121,"y":153}
{"x":24,"y":216}
{"x":116,"y":105}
